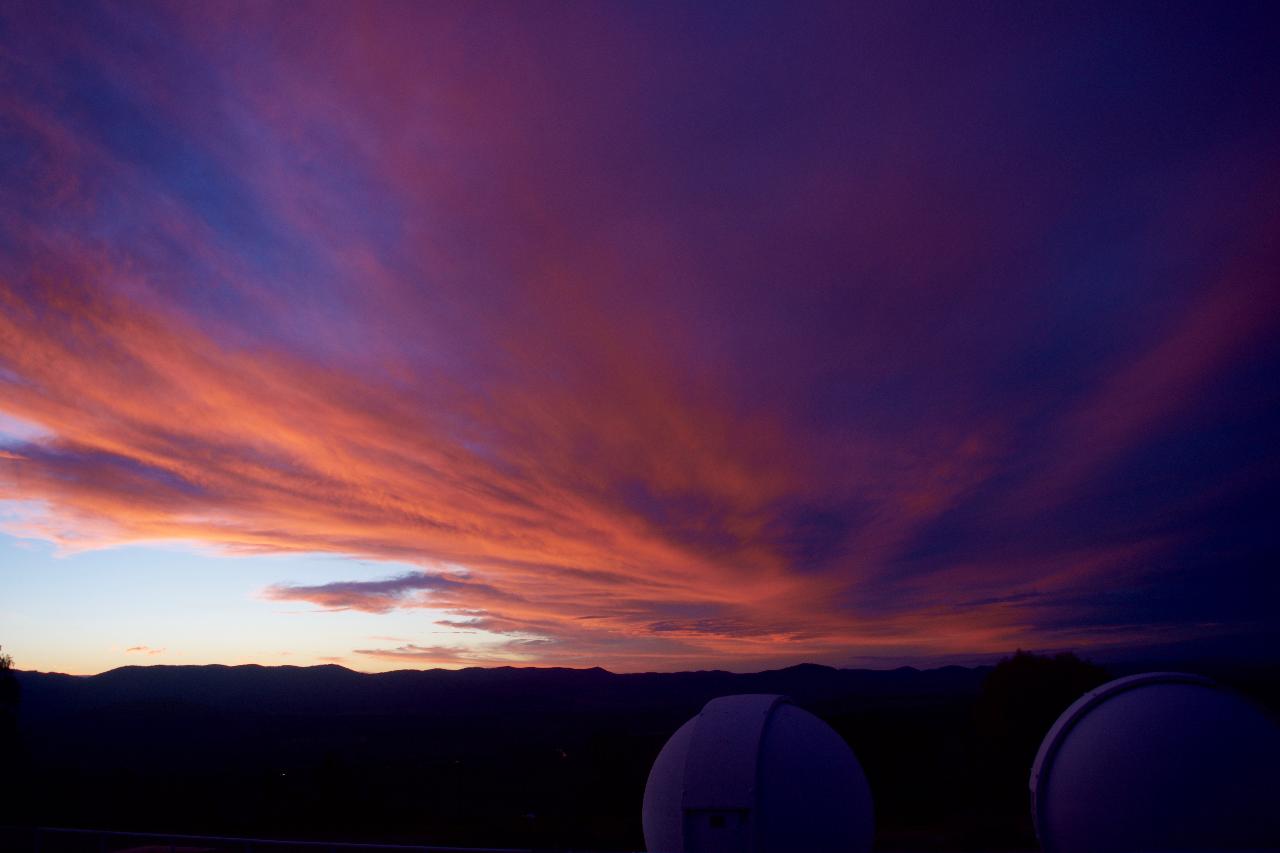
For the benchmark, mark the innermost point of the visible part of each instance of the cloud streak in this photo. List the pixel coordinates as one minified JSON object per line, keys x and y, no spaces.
{"x":506,"y":654}
{"x":381,"y":596}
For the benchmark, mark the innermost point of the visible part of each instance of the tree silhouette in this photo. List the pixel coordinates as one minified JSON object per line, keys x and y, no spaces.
{"x":1020,"y":700}
{"x":8,"y":694}
{"x":9,"y":757}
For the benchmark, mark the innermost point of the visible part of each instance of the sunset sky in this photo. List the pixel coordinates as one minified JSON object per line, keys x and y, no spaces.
{"x":650,"y":336}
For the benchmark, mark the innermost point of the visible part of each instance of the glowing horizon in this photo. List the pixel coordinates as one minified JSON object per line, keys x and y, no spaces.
{"x":642,"y":337}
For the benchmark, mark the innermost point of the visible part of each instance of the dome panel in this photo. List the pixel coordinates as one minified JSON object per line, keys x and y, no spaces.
{"x":813,"y":793}
{"x":756,"y":773}
{"x":664,"y":792}
{"x":1160,"y":761}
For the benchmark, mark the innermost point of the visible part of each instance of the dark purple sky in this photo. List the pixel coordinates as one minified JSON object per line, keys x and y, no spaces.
{"x":658,"y":335}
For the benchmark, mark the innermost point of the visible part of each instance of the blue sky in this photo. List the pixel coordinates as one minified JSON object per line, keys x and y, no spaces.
{"x":80,"y":613}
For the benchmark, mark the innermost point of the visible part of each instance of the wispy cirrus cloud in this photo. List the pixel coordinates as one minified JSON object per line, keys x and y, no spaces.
{"x":379,"y":596}
{"x":510,"y":652}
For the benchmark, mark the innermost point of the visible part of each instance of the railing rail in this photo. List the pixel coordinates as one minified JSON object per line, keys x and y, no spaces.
{"x":45,"y":839}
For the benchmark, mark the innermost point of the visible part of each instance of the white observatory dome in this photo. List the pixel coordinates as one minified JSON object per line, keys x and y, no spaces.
{"x":756,"y":774}
{"x":1158,"y":762}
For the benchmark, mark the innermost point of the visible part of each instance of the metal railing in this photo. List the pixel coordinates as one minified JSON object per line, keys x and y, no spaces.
{"x":47,"y":839}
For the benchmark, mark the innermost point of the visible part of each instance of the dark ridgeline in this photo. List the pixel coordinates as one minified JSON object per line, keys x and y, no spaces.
{"x":537,"y":757}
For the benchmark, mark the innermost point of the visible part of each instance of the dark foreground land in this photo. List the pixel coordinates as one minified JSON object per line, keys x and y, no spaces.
{"x":509,"y":757}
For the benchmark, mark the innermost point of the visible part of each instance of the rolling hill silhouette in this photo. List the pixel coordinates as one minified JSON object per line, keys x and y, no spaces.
{"x":503,"y":757}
